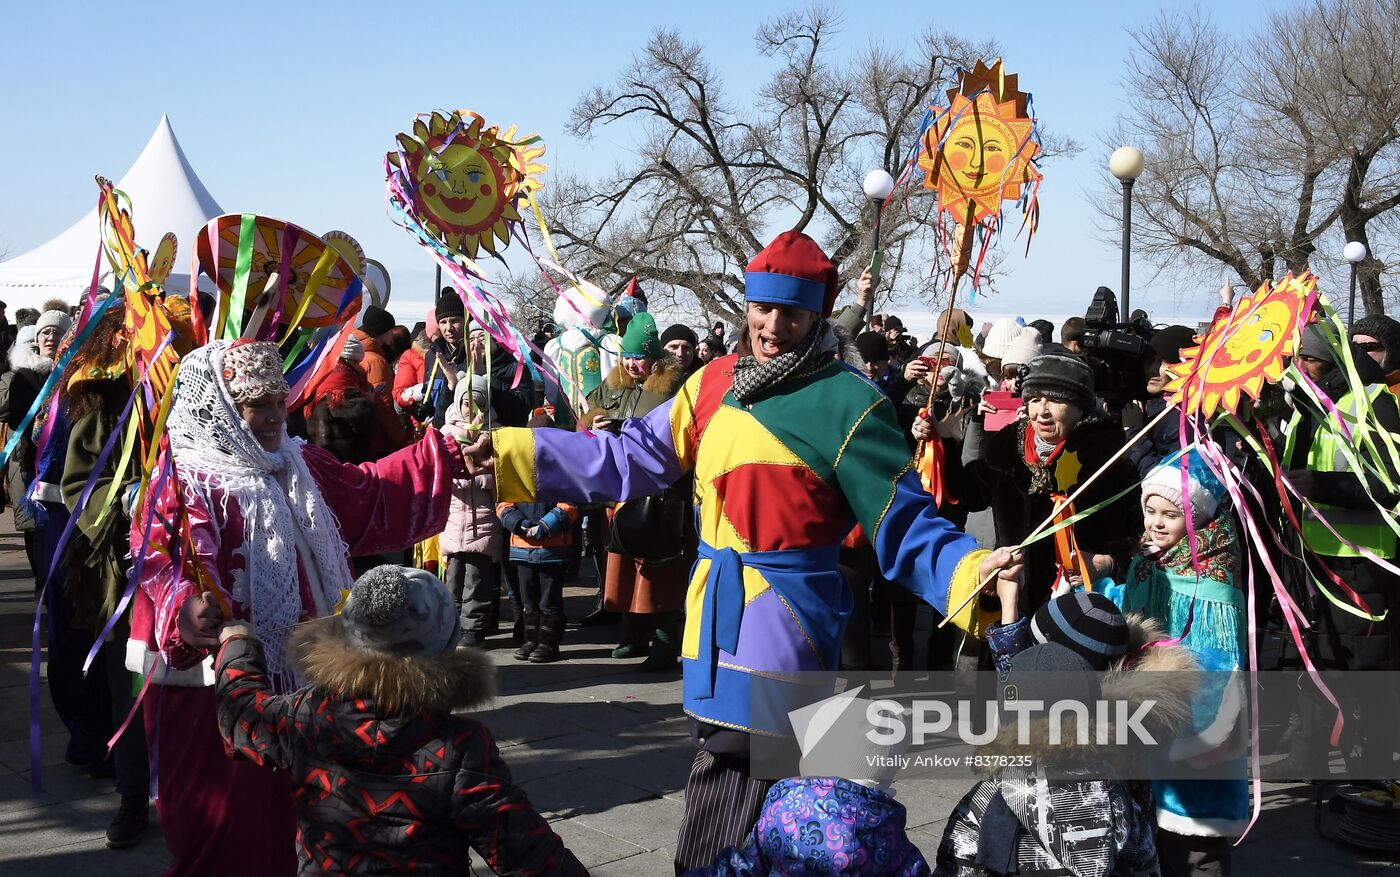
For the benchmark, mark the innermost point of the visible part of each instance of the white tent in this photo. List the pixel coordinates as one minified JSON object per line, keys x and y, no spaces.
{"x":166,"y":195}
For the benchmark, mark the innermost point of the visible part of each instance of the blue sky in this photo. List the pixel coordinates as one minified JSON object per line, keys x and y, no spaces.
{"x":287,"y":108}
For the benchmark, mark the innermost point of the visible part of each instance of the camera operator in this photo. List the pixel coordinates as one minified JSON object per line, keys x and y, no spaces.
{"x":1165,"y":437}
{"x":1117,"y":354}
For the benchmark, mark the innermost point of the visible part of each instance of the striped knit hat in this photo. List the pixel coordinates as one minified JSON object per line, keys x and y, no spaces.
{"x":1085,"y":622}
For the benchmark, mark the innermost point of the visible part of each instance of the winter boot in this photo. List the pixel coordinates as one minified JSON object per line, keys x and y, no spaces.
{"x":664,"y":648}
{"x":634,"y":637}
{"x":551,"y":632}
{"x":530,"y":634}
{"x":130,"y":822}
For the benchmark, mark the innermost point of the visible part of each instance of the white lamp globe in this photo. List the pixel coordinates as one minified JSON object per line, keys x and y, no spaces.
{"x":1126,"y":163}
{"x":1354,"y":252}
{"x":878,"y":185}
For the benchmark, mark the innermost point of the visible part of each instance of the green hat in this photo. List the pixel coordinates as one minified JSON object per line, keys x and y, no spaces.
{"x":642,"y":338}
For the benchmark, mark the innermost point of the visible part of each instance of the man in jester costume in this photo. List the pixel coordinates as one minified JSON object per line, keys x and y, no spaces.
{"x":780,"y":419}
{"x":585,"y":349}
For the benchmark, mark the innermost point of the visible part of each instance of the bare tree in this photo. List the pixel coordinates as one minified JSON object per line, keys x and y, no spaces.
{"x":1261,"y":146}
{"x":714,"y":176}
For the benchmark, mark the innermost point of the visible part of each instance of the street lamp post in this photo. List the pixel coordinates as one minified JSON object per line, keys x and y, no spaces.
{"x":1355,"y":253}
{"x":1126,"y":164}
{"x":878,"y":185}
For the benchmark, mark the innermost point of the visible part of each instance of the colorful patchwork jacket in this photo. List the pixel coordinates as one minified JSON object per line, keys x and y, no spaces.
{"x":779,"y":483}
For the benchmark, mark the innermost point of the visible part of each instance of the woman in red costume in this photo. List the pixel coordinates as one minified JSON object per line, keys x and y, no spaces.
{"x":253,"y":523}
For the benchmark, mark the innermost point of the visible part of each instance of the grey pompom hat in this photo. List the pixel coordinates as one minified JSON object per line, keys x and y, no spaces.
{"x":401,"y":610}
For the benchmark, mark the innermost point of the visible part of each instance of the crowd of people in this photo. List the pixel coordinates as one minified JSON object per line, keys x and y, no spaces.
{"x":344,"y":562}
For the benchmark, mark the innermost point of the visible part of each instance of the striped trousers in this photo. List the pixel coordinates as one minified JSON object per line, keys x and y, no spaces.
{"x":721,"y":806}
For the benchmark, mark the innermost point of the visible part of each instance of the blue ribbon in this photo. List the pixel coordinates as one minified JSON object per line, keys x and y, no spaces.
{"x":723,"y":606}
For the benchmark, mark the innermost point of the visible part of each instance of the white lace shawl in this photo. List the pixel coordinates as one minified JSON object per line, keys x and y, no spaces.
{"x":215,"y":450}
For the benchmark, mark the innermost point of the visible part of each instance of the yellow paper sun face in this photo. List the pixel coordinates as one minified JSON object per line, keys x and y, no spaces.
{"x":980,"y":151}
{"x":465,"y":179}
{"x":1239,"y":354}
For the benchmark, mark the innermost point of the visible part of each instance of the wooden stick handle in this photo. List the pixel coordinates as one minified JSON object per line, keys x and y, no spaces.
{"x":1056,"y":510}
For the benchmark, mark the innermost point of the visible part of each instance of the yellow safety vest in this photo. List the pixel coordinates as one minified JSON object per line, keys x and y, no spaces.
{"x":1366,"y":528}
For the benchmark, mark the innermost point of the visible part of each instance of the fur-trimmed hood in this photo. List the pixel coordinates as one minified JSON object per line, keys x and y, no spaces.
{"x":665,"y":379}
{"x":456,"y":680}
{"x":621,"y":395}
{"x":26,"y":356}
{"x":1165,"y":674}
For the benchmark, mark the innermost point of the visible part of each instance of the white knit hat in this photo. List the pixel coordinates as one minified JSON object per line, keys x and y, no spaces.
{"x":999,"y":338}
{"x":53,"y":318}
{"x":1205,"y":489}
{"x":1024,"y":348}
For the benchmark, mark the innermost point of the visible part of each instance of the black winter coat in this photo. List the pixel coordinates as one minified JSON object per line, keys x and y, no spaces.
{"x":385,"y":779}
{"x":1006,"y":481}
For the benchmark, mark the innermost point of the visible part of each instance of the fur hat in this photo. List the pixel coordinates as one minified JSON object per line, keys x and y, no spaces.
{"x":53,"y":318}
{"x":641,"y":338}
{"x":1024,"y":348}
{"x":253,"y":370}
{"x":873,"y":347}
{"x":1061,"y":375}
{"x":1086,"y":623}
{"x":376,"y":321}
{"x":793,"y":271}
{"x":400,"y":610}
{"x":1205,"y":490}
{"x":999,"y":338}
{"x":449,"y":304}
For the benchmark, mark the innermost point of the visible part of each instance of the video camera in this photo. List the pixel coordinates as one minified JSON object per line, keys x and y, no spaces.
{"x":1117,"y":351}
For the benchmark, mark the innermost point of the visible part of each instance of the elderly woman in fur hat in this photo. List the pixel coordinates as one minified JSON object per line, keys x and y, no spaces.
{"x":648,"y":593}
{"x":264,"y":527}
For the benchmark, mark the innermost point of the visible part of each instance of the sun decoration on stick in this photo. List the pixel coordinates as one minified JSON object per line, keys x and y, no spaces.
{"x":980,"y":149}
{"x":464,"y":179}
{"x":1239,"y":353}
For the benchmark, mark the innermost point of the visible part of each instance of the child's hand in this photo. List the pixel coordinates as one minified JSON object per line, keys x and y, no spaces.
{"x":1009,"y":592}
{"x":536,"y":533}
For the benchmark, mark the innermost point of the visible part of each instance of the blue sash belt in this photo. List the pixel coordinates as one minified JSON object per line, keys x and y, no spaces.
{"x":723,"y":607}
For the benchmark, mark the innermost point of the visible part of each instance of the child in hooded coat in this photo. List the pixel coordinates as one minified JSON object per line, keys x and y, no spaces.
{"x":473,"y":540}
{"x":387,"y":776}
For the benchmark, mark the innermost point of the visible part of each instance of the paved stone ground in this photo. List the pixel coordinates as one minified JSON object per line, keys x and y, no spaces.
{"x":599,"y":748}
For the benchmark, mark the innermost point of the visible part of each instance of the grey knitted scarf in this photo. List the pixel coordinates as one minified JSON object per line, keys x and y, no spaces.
{"x":752,"y":378}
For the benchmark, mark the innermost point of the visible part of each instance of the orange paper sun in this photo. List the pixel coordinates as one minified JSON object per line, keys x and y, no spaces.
{"x":980,"y":149}
{"x":1241,"y":352}
{"x":463,"y":179}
